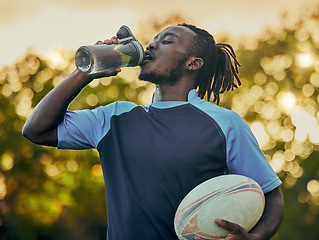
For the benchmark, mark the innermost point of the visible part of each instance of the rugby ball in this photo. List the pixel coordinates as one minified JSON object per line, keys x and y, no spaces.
{"x":234,"y":198}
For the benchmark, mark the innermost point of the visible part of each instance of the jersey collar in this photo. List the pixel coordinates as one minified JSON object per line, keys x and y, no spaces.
{"x":191,"y":97}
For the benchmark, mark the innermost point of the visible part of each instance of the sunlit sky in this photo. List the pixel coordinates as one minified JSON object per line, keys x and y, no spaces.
{"x":51,"y":24}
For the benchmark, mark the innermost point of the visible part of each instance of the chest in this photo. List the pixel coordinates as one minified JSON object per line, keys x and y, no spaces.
{"x":164,"y":138}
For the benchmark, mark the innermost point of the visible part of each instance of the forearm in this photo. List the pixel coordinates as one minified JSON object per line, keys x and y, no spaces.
{"x":51,"y":109}
{"x":272,"y":217}
{"x":41,"y":126}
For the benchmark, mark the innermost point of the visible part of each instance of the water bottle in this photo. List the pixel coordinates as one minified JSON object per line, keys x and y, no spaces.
{"x":99,"y":58}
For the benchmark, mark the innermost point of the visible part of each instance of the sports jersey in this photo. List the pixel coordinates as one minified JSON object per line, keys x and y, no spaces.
{"x":153,"y":155}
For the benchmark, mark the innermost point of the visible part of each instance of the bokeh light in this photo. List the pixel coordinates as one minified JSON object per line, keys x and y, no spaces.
{"x":305,"y":124}
{"x":259,"y":131}
{"x":287,"y":101}
{"x":305,"y":60}
{"x":3,"y":188}
{"x":279,"y":99}
{"x":97,"y":170}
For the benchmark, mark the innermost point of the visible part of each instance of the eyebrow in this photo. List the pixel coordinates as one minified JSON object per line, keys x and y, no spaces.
{"x":166,"y":34}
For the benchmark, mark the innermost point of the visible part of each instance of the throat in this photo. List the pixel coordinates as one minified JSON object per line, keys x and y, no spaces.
{"x":170,"y":93}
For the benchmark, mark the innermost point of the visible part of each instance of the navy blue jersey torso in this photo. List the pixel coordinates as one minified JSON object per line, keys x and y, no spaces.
{"x":151,"y":160}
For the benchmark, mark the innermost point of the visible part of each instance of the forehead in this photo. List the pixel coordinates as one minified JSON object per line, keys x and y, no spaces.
{"x":179,"y":31}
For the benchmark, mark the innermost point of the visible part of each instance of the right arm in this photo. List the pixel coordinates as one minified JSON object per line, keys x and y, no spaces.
{"x":41,"y":126}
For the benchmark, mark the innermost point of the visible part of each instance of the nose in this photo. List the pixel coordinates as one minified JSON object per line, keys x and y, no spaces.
{"x":152,"y":45}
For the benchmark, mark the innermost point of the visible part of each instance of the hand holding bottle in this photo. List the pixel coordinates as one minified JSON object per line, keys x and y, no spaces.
{"x":108,"y":73}
{"x":121,"y":51}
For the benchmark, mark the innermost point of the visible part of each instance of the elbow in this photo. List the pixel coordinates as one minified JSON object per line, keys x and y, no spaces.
{"x":31,"y":134}
{"x":28,"y":133}
{"x":25,"y":131}
{"x":48,"y":138}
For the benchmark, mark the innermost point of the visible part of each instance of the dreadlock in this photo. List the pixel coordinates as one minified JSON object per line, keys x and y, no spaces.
{"x":218,"y":71}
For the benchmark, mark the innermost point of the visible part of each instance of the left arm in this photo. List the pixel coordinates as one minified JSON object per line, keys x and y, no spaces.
{"x":268,"y":224}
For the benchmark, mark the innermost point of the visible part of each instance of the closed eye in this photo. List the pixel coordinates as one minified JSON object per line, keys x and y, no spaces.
{"x":167,"y":42}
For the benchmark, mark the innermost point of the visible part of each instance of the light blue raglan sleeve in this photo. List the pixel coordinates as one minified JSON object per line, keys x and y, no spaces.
{"x":244,"y":155}
{"x":84,"y":129}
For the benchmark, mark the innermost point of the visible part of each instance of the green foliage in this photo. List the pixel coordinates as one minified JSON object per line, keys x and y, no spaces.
{"x":47,"y":193}
{"x":279,"y":100}
{"x":57,"y":194}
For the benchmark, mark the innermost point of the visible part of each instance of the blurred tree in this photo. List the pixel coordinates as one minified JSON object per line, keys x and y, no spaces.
{"x":52,"y":194}
{"x":47,"y":193}
{"x":279,"y":100}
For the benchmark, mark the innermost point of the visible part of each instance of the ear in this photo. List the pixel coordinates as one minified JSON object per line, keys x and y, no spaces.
{"x":194,"y":63}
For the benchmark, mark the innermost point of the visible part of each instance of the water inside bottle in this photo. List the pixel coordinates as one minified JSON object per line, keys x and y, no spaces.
{"x":99,"y":58}
{"x":84,"y":60}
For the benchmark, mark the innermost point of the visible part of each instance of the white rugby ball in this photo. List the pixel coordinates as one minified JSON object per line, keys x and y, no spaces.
{"x":234,"y":198}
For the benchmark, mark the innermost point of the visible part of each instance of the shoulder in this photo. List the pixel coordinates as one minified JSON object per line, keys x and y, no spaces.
{"x":99,"y":115}
{"x":116,"y":108}
{"x":84,"y":129}
{"x":225,"y":118}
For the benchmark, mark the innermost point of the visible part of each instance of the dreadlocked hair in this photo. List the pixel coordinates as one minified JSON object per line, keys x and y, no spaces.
{"x":220,"y":66}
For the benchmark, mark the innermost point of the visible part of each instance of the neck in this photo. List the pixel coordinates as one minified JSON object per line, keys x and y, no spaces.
{"x":178,"y":92}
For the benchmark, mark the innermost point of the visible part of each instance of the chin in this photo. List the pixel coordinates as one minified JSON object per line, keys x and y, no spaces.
{"x":166,"y":76}
{"x":147,"y":75}
{"x":145,"y":70}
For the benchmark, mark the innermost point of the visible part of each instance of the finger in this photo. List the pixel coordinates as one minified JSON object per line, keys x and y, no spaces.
{"x":117,"y":70}
{"x":108,"y":41}
{"x":227,"y":225}
{"x":199,"y":238}
{"x":219,"y":222}
{"x":113,"y":72}
{"x":109,"y":73}
{"x":98,"y":43}
{"x":115,"y":39}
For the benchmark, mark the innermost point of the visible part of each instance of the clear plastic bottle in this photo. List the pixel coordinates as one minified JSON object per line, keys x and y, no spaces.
{"x":99,"y":58}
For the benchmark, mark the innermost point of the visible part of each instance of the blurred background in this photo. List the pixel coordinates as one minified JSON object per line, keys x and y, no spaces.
{"x":59,"y":194}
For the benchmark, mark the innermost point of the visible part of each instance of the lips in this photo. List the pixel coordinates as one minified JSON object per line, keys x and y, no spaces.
{"x":149,"y":56}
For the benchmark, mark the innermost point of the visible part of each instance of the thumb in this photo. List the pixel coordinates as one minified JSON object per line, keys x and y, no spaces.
{"x":227,"y":225}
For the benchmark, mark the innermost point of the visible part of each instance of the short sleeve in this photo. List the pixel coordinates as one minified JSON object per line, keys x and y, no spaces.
{"x":245,"y":156}
{"x":84,"y":129}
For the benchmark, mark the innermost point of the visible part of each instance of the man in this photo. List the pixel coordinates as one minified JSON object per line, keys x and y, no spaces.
{"x":152,"y":156}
